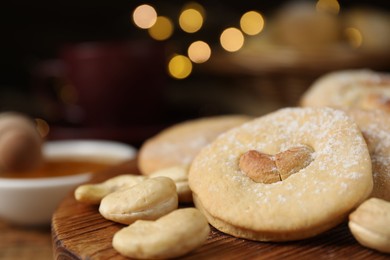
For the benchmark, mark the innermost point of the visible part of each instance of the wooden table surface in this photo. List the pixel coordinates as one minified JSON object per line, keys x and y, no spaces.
{"x":72,"y":235}
{"x":21,"y":243}
{"x":80,"y":232}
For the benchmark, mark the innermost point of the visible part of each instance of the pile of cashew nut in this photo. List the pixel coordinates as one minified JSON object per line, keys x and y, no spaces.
{"x":156,"y":227}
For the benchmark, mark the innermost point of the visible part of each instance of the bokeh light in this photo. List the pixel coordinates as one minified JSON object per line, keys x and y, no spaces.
{"x":329,"y":6}
{"x":199,"y":52}
{"x":252,"y":23}
{"x":198,"y":7}
{"x":354,"y":37}
{"x":190,"y":20}
{"x":162,"y":29}
{"x":232,"y":39}
{"x":180,"y":67}
{"x":144,"y":16}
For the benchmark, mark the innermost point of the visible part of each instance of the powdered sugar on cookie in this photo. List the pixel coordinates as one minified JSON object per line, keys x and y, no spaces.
{"x":375,"y":126}
{"x":337,"y":178}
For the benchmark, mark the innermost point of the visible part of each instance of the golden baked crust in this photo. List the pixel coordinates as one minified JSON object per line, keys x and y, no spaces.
{"x":308,"y":202}
{"x":178,"y":144}
{"x":362,"y":88}
{"x":375,"y":126}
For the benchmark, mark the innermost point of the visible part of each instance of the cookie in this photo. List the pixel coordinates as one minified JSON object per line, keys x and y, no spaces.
{"x":178,"y":144}
{"x":322,"y":167}
{"x":365,"y":89}
{"x":375,"y":126}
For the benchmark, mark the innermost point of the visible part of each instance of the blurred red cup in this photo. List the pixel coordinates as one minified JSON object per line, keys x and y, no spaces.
{"x":112,"y":83}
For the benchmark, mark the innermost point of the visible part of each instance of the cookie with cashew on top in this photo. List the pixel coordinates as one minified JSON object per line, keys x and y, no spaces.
{"x":288,"y":175}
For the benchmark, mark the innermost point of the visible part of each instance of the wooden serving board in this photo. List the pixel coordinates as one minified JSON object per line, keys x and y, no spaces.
{"x":80,"y":232}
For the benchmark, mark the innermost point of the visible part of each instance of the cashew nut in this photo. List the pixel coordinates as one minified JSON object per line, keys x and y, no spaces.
{"x":179,"y":174}
{"x":265,"y":168}
{"x":149,"y":199}
{"x":172,"y":235}
{"x":370,"y":224}
{"x":94,"y":193}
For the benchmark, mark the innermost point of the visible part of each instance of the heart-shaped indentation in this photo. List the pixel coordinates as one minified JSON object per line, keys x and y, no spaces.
{"x":265,"y":168}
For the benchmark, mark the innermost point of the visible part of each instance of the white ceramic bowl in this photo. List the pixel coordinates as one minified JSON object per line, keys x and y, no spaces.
{"x":33,"y":201}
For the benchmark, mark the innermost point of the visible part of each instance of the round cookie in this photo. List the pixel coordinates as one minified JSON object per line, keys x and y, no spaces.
{"x":314,"y":198}
{"x":375,"y":126}
{"x":178,"y":144}
{"x":350,"y":89}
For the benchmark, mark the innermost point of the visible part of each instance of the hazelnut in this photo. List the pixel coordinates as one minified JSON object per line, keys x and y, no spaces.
{"x":20,"y":143}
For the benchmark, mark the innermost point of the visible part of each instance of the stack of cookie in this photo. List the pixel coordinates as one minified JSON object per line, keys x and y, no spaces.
{"x":365,"y":96}
{"x":293,"y":173}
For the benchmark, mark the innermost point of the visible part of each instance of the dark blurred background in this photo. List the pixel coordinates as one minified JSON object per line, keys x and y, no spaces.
{"x":85,"y":69}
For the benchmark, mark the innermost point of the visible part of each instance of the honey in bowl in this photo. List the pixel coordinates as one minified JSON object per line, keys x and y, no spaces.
{"x":60,"y":167}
